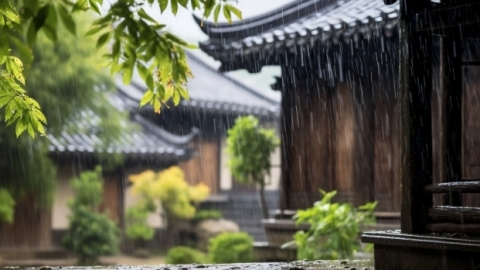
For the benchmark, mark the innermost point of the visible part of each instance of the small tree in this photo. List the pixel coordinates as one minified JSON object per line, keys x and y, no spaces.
{"x":137,"y":227}
{"x":250,"y":147}
{"x":91,"y":234}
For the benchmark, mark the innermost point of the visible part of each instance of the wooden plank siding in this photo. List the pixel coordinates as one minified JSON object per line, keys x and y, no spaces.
{"x":204,"y":168}
{"x":336,"y":138}
{"x":471,"y":130}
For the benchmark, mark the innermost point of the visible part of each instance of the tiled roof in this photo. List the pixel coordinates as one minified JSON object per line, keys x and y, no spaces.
{"x":144,"y":139}
{"x":305,"y":22}
{"x":209,"y":91}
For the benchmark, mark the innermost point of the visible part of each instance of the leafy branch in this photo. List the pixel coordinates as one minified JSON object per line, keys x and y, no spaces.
{"x":136,"y":41}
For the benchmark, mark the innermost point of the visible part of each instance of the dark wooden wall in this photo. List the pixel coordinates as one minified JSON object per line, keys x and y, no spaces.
{"x":204,"y":167}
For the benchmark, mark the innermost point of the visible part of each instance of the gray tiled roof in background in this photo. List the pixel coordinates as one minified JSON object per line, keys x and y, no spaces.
{"x":340,"y":20}
{"x":209,"y":91}
{"x":141,"y":138}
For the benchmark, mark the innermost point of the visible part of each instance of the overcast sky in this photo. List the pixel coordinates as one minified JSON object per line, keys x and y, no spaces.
{"x":184,"y":26}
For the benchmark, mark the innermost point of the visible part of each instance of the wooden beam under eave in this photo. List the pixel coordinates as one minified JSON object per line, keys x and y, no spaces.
{"x":415,"y":118}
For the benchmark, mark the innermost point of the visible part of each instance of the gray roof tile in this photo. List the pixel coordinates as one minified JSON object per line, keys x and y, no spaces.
{"x":79,"y":136}
{"x":209,"y":90}
{"x":343,"y":17}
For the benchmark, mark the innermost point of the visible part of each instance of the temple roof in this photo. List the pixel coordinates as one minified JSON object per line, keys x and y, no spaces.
{"x":141,"y":139}
{"x":209,"y":91}
{"x":304,"y":23}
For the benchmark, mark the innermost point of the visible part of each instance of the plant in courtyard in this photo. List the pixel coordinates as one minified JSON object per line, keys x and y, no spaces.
{"x":7,"y":206}
{"x":137,"y":41}
{"x":137,"y":227}
{"x":177,"y":197}
{"x":231,"y":248}
{"x":185,"y":255}
{"x":207,"y":214}
{"x":90,"y":234}
{"x":250,"y":147}
{"x":334,"y":229}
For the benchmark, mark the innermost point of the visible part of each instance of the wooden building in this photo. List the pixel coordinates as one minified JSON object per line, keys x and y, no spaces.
{"x":142,"y":146}
{"x":339,"y":62}
{"x":216,"y":100}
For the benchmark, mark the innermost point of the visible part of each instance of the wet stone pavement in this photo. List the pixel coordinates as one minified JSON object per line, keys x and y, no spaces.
{"x":301,"y":265}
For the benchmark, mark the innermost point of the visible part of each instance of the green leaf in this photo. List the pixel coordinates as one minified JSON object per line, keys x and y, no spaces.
{"x":176,"y":98}
{"x":216,"y":13}
{"x":156,"y":105}
{"x":128,"y":71}
{"x":174,"y":4}
{"x":183,"y":2}
{"x":20,"y":128}
{"x":94,"y":29}
{"x":67,"y":19}
{"x":4,"y":100}
{"x":176,"y":39}
{"x":10,"y":13}
{"x":143,"y":71}
{"x":80,"y":5}
{"x":226,"y":13}
{"x":103,"y":39}
{"x":235,"y":11}
{"x":149,"y":81}
{"x":2,"y":21}
{"x":94,"y":6}
{"x":147,"y":97}
{"x":195,"y":4}
{"x":145,"y":16}
{"x":163,"y":5}
{"x":183,"y":92}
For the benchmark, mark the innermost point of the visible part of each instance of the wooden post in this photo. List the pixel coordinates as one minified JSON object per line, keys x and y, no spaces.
{"x":415,"y":117}
{"x":451,"y":123}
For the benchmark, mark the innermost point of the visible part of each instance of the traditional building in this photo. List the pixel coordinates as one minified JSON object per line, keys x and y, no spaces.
{"x":339,"y":88}
{"x":142,"y":146}
{"x":216,"y":100}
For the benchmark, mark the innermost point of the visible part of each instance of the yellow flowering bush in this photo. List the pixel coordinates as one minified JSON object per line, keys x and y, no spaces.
{"x":169,"y":187}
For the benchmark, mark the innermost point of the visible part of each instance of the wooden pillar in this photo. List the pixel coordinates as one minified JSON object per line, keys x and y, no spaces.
{"x":451,"y":123}
{"x":415,"y":117}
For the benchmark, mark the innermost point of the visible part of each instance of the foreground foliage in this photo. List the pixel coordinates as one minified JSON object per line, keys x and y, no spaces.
{"x":137,"y":41}
{"x":90,"y":233}
{"x":185,"y":255}
{"x":250,"y":147}
{"x":231,"y":248}
{"x":63,"y":78}
{"x":334,"y":229}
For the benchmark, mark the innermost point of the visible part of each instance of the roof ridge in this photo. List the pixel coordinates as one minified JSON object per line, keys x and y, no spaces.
{"x":265,"y":22}
{"x":233,"y":80}
{"x":178,"y":140}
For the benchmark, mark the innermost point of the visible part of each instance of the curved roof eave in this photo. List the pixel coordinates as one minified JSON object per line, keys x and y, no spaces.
{"x":258,"y":24}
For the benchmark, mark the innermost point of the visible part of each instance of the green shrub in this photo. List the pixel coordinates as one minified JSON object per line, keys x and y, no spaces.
{"x":137,"y":227}
{"x":185,"y":255}
{"x":207,"y":214}
{"x":231,"y":248}
{"x":334,"y":229}
{"x":7,"y":206}
{"x":90,"y":233}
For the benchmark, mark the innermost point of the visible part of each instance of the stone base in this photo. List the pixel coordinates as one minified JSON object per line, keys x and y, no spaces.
{"x":264,"y":252}
{"x":394,"y":250}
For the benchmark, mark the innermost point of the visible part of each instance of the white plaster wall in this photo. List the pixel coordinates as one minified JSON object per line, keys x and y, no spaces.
{"x":61,"y":211}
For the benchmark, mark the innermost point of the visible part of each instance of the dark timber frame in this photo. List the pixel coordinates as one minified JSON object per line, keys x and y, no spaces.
{"x":432,"y":237}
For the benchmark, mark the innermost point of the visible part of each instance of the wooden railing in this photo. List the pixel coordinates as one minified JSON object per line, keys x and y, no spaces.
{"x":454,"y":219}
